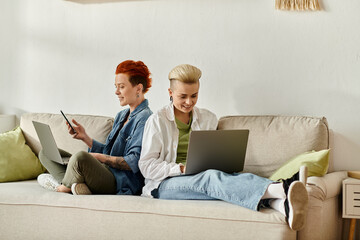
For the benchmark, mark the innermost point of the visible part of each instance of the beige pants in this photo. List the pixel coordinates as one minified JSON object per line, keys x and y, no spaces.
{"x":82,"y":168}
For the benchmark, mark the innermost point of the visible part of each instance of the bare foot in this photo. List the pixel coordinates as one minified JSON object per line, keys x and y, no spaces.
{"x":63,"y":189}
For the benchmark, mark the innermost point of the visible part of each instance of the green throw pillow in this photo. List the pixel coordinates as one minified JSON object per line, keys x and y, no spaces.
{"x":17,"y":161}
{"x":316,"y":162}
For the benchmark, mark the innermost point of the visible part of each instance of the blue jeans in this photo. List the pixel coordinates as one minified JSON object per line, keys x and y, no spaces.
{"x":243,"y":189}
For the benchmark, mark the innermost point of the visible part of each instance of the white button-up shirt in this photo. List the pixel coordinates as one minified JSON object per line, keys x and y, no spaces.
{"x":160,"y":142}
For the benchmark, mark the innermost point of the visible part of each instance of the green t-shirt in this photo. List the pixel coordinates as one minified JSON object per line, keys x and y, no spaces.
{"x":184,"y":133}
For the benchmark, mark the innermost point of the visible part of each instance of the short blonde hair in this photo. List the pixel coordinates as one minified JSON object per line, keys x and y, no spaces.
{"x":185,"y":73}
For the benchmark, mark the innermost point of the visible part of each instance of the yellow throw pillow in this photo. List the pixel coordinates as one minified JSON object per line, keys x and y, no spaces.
{"x":17,"y":161}
{"x":316,"y":162}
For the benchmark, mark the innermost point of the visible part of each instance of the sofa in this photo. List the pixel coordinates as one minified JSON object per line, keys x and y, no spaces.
{"x":27,"y":211}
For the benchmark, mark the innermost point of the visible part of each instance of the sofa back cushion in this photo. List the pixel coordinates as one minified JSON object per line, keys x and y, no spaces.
{"x":97,"y":127}
{"x":273,"y":140}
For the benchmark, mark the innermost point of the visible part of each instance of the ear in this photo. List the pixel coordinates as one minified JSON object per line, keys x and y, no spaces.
{"x":170,"y":92}
{"x":139,"y":88}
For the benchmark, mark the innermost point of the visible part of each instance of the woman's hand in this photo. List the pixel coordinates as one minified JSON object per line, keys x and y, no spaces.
{"x":80,"y":133}
{"x":182,"y":168}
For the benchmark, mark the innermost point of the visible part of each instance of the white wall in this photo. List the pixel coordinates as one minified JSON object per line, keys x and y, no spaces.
{"x":58,"y":54}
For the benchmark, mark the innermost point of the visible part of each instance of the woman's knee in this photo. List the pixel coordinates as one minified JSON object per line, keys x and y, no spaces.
{"x":211,"y":172}
{"x":79,"y":158}
{"x":43,"y":159}
{"x":41,"y":155}
{"x":211,"y":176}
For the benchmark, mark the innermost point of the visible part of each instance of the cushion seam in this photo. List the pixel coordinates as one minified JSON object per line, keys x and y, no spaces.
{"x":147,"y":213}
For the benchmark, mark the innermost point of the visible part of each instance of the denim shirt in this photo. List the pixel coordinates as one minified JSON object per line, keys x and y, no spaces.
{"x":126,"y":141}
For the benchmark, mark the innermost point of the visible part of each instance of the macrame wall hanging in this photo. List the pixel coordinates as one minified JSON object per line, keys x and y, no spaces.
{"x":300,"y":5}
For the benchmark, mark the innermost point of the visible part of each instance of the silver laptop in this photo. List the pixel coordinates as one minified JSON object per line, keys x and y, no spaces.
{"x":48,"y":144}
{"x":222,"y":150}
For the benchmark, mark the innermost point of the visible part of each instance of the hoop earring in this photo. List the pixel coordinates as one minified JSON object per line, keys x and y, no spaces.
{"x":171,"y":99}
{"x":137,"y":95}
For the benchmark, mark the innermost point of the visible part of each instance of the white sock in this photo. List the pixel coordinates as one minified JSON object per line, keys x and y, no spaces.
{"x":275,"y":190}
{"x":278,"y":204}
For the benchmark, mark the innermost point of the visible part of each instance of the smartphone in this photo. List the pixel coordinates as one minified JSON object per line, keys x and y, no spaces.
{"x":68,"y":121}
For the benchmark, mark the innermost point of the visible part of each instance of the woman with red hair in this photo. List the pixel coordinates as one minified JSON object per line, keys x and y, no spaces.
{"x":110,"y":168}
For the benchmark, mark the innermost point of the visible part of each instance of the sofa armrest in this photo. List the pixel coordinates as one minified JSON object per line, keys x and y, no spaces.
{"x":327,"y":186}
{"x":324,"y":220}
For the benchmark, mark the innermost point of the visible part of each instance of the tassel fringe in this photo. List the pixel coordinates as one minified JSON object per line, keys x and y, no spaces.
{"x":300,"y":5}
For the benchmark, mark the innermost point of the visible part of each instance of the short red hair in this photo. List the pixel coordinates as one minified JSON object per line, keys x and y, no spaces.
{"x":138,"y":73}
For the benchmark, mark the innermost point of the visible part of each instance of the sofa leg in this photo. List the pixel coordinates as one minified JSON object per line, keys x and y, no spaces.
{"x":352,"y":228}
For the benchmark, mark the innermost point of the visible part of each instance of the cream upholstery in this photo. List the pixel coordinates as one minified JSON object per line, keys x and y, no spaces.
{"x":273,"y":140}
{"x":28,"y":211}
{"x":97,"y":127}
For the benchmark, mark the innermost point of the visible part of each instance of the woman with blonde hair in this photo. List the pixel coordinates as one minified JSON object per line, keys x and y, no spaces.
{"x":163,"y":159}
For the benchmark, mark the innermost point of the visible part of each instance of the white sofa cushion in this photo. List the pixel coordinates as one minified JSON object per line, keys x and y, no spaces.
{"x":273,"y":140}
{"x":130,"y":217}
{"x":97,"y":127}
